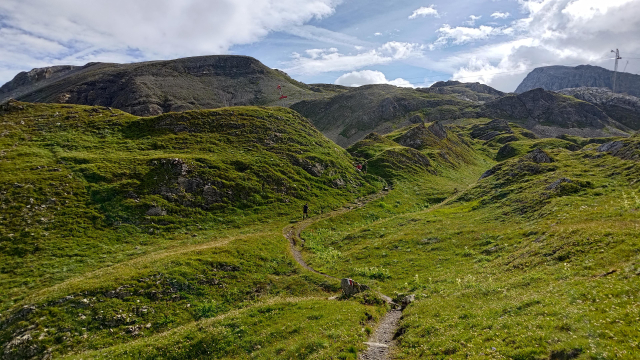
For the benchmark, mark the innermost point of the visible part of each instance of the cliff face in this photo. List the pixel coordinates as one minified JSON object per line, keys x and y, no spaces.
{"x":625,"y":109}
{"x":549,"y":114}
{"x":564,"y":77}
{"x":156,"y":87}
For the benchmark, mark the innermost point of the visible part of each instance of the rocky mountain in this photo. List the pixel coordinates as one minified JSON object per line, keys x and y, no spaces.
{"x":349,"y":116}
{"x":465,"y":91}
{"x":156,"y":87}
{"x":625,"y":109}
{"x":564,"y":77}
{"x":549,"y":114}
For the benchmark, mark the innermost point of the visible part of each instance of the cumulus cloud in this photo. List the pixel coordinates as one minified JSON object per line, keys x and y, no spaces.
{"x":500,"y":15}
{"x":77,"y":31}
{"x":553,"y":32}
{"x":378,"y":34}
{"x":319,"y":61}
{"x":366,"y":77}
{"x":424,"y":11}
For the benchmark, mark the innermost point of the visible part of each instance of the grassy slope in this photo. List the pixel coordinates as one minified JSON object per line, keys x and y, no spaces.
{"x":509,"y":268}
{"x":84,"y":267}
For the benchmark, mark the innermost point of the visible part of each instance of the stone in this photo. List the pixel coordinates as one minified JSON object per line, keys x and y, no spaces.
{"x":408,"y":300}
{"x":156,"y":211}
{"x":557,"y":183}
{"x":350,"y":287}
{"x":610,"y":147}
{"x":538,"y":156}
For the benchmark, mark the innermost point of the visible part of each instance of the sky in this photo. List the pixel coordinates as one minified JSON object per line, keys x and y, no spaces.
{"x":346,"y":42}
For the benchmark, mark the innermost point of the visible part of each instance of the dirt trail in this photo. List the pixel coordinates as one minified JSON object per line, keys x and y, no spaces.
{"x":382,"y":340}
{"x":292,"y":232}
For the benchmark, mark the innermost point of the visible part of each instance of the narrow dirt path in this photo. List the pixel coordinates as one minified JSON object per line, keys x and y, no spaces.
{"x":292,"y":232}
{"x":381,"y":341}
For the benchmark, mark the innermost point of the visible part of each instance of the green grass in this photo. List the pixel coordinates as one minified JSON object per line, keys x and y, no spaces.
{"x":79,"y":250}
{"x":536,"y":261}
{"x":509,"y":268}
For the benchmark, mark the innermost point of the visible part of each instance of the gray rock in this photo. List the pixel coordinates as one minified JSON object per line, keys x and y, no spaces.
{"x":538,"y":156}
{"x":610,"y":147}
{"x":408,"y":300}
{"x":156,"y":211}
{"x":557,"y":183}
{"x":491,"y":129}
{"x":438,"y":130}
{"x":350,"y":287}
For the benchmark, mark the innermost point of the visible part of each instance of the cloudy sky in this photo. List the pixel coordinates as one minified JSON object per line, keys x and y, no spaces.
{"x":348,"y":42}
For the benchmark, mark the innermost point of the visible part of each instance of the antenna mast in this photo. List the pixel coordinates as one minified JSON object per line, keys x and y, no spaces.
{"x":615,"y":71}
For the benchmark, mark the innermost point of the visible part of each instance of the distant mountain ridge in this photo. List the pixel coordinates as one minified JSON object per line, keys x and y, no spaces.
{"x":156,"y":87}
{"x":556,"y":78}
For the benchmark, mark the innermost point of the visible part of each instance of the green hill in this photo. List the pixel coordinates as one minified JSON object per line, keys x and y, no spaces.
{"x":162,"y":237}
{"x":114,"y":226}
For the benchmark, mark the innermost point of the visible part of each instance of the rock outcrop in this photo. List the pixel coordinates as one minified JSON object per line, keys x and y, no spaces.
{"x":350,"y":287}
{"x":549,"y":114}
{"x":624,"y":109}
{"x":564,"y":77}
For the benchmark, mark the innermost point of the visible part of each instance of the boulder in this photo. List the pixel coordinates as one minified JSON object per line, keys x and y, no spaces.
{"x":538,"y":156}
{"x":350,"y":287}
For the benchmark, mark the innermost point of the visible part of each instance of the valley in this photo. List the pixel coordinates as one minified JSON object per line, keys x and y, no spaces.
{"x":505,"y":225}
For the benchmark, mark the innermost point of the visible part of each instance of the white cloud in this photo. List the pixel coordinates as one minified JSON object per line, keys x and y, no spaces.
{"x":553,"y":32}
{"x":472,"y":20}
{"x":319,"y":61}
{"x":73,"y":31}
{"x":461,"y":34}
{"x":425,"y":11}
{"x":366,"y":77}
{"x":500,"y":15}
{"x":377,"y":34}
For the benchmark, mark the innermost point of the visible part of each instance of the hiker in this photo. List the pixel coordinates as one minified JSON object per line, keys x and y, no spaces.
{"x":305,"y":211}
{"x":359,"y":167}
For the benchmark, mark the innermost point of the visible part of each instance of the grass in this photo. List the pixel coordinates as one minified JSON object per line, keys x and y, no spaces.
{"x":126,"y":237}
{"x":508,"y":268}
{"x":86,"y":264}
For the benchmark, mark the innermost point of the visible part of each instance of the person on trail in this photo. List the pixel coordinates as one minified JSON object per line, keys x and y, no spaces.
{"x":305,"y":211}
{"x":359,"y":167}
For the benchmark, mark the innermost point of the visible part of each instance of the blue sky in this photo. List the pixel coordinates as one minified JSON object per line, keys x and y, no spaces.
{"x":349,"y":42}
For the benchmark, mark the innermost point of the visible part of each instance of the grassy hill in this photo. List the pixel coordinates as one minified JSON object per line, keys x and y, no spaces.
{"x":162,"y":237}
{"x":115,"y":227}
{"x":538,"y":259}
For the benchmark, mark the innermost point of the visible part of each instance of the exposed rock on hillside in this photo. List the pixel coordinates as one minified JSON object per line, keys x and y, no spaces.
{"x":564,"y":77}
{"x":418,"y":137}
{"x":152,"y":88}
{"x":628,"y":149}
{"x":624,"y":109}
{"x":491,"y":130}
{"x":475,"y":92}
{"x":549,"y":114}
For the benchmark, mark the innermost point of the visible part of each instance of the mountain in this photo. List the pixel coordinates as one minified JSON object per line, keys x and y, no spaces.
{"x":350,"y":115}
{"x":549,"y":114}
{"x":625,"y":109}
{"x":156,"y":87}
{"x":564,"y":77}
